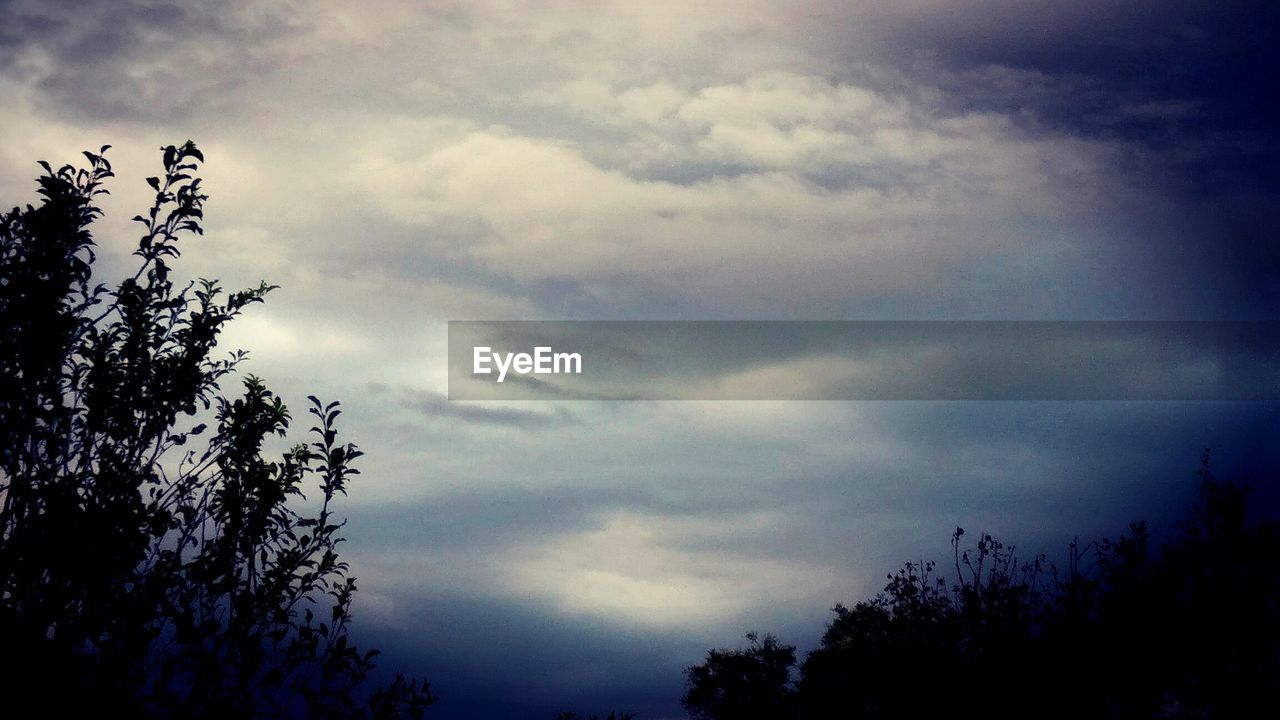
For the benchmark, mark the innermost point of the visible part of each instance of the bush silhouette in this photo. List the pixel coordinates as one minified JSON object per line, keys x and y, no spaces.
{"x":1189,"y":629}
{"x":153,"y":560}
{"x":751,"y":683}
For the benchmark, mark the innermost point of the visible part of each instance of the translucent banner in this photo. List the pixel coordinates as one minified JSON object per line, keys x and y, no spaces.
{"x":864,"y":360}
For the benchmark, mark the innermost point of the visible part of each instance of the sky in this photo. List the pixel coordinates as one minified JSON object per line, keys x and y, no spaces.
{"x":393,"y":166}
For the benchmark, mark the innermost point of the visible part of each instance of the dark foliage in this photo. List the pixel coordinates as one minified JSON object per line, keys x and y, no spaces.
{"x":142,"y":570}
{"x":1188,"y":629}
{"x":750,"y":683}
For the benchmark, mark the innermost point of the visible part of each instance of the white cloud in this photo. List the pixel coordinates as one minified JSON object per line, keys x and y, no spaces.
{"x":816,"y":190}
{"x":666,"y":571}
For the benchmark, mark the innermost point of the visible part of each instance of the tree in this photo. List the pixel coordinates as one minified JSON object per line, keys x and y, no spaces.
{"x":1188,"y":628}
{"x":926,"y":646}
{"x":142,"y":569}
{"x":743,"y":684}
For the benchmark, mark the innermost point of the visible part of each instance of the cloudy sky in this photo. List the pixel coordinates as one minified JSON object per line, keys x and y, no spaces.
{"x":393,"y":166}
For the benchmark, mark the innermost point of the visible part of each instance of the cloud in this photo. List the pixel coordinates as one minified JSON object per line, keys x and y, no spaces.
{"x":549,"y":666}
{"x":667,"y":571}
{"x":875,"y":198}
{"x":612,"y":176}
{"x":437,"y":405}
{"x":136,"y":59}
{"x":396,"y":165}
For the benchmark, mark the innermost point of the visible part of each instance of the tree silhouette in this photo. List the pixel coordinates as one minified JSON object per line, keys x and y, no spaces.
{"x":1188,"y":629}
{"x":142,"y":570}
{"x":750,"y":683}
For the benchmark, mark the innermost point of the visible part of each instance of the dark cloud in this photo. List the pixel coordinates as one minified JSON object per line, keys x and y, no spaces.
{"x":136,"y":60}
{"x":1101,"y":66}
{"x":490,"y":658}
{"x":485,"y":520}
{"x":1192,"y":84}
